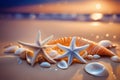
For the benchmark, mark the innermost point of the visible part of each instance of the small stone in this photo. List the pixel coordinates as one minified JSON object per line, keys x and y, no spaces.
{"x":19,"y":61}
{"x":89,"y":57}
{"x":96,"y":56}
{"x":62,"y":64}
{"x":45,"y":65}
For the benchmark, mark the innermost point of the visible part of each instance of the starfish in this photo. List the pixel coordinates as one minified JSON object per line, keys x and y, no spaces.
{"x":38,"y":46}
{"x":72,"y":51}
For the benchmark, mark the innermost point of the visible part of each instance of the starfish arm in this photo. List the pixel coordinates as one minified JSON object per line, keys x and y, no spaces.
{"x":80,"y":58}
{"x":46,"y":40}
{"x":48,"y":58}
{"x":72,"y":43}
{"x":81,"y":48}
{"x":70,"y":59}
{"x":62,"y":56}
{"x":28,"y":44}
{"x":36,"y":52}
{"x":38,"y":38}
{"x":65,"y":48}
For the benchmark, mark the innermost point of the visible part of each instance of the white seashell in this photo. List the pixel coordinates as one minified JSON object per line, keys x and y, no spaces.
{"x":11,"y":49}
{"x":45,"y":65}
{"x":96,"y":69}
{"x":115,"y":58}
{"x":105,"y":43}
{"x":53,"y":53}
{"x":89,"y":57}
{"x":21,"y":52}
{"x":28,"y":58}
{"x":62,"y":64}
{"x":108,"y":44}
{"x":96,"y":56}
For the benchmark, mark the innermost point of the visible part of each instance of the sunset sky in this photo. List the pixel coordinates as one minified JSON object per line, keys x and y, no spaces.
{"x":61,"y":6}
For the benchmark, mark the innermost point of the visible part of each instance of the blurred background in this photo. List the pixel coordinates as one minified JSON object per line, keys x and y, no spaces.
{"x":92,"y":19}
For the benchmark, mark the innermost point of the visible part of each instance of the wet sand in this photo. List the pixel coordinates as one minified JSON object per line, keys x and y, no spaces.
{"x":12,"y":31}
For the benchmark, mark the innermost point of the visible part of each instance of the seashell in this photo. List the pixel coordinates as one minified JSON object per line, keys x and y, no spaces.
{"x":108,"y":44}
{"x":11,"y":49}
{"x":96,"y":56}
{"x":53,"y":53}
{"x":92,"y":49}
{"x":89,"y":57}
{"x":115,"y":58}
{"x":62,"y":64}
{"x":96,"y":69}
{"x":22,"y":52}
{"x":45,"y":65}
{"x":28,"y":59}
{"x":105,"y":43}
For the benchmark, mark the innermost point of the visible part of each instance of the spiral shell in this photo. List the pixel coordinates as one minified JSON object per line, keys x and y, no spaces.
{"x":94,"y":48}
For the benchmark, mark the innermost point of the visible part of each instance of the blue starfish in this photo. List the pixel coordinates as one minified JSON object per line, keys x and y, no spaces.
{"x":38,"y":48}
{"x":72,"y":51}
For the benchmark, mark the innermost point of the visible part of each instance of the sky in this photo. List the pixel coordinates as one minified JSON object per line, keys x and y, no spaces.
{"x":13,"y":3}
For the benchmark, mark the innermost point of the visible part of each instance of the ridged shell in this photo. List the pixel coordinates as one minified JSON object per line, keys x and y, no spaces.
{"x":96,"y":69}
{"x":92,"y":49}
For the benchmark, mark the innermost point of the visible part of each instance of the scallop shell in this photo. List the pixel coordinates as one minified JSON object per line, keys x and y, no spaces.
{"x":62,"y":64}
{"x":11,"y":49}
{"x":115,"y":58}
{"x":96,"y":69}
{"x":45,"y":65}
{"x":92,"y":49}
{"x":96,"y":56}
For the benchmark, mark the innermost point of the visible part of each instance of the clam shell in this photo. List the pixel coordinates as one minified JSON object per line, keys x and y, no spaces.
{"x":96,"y":56}
{"x":105,"y":43}
{"x":22,"y":52}
{"x":11,"y":49}
{"x":115,"y":58}
{"x":96,"y":69}
{"x":45,"y":65}
{"x":62,"y":64}
{"x":28,"y":58}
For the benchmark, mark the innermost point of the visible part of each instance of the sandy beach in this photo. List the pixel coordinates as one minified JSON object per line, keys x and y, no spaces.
{"x":25,"y":30}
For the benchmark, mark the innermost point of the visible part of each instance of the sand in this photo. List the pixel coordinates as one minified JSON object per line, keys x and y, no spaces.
{"x":16,"y":30}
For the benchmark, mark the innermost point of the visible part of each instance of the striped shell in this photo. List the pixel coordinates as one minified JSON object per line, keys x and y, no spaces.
{"x":94,"y":48}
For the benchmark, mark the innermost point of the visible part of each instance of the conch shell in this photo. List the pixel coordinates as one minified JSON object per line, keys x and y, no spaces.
{"x":94,"y":47}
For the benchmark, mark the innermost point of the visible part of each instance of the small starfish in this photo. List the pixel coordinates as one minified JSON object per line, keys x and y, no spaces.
{"x":39,"y":47}
{"x":72,"y":51}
